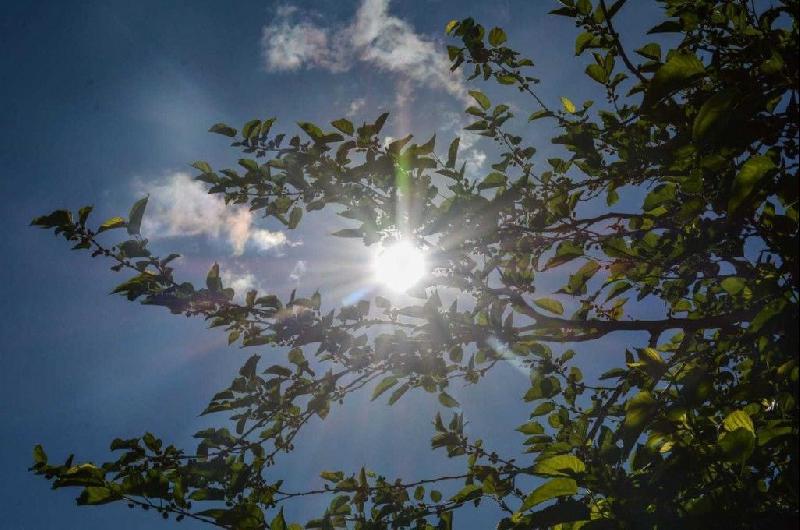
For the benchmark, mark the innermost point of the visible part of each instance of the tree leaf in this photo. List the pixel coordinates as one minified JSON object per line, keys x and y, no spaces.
{"x":447,"y":400}
{"x":294,"y":217}
{"x":251,"y":128}
{"x":733,"y":285}
{"x":346,"y":126}
{"x":497,"y":37}
{"x":213,"y":281}
{"x":568,"y":105}
{"x":383,"y":386}
{"x":737,"y":445}
{"x":675,"y":74}
{"x":531,"y":427}
{"x":559,"y":465}
{"x":554,"y":306}
{"x":312,"y":130}
{"x":112,"y":223}
{"x":566,"y":251}
{"x":557,"y":487}
{"x":95,"y":495}
{"x":738,"y":419}
{"x":135,"y":216}
{"x":650,"y":51}
{"x":747,"y":179}
{"x":714,"y":113}
{"x":481,"y":98}
{"x":639,"y":409}
{"x":221,"y":128}
{"x":493,"y":180}
{"x":452,"y":153}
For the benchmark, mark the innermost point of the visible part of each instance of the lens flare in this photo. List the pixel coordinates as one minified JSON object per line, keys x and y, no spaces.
{"x":399,"y":265}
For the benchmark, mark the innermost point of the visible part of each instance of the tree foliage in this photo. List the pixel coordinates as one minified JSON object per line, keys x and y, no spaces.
{"x":697,"y":427}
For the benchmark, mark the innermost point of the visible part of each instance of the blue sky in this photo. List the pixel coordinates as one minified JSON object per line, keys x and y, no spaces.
{"x":106,"y":101}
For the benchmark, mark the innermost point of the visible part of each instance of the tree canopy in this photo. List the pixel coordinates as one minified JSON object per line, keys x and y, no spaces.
{"x":698,"y":426}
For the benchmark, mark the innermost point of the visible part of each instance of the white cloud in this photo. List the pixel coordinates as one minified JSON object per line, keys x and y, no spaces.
{"x":453,"y":125}
{"x":288,"y":46}
{"x":294,"y":40}
{"x":239,"y":282}
{"x":475,"y":160}
{"x":355,"y":106}
{"x":299,"y":270}
{"x":180,"y":206}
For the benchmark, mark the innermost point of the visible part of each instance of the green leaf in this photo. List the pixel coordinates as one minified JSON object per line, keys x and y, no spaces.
{"x":668,"y":26}
{"x":296,"y":357}
{"x":346,"y":126}
{"x":733,"y":285}
{"x":452,"y":153}
{"x":531,"y":427}
{"x":737,"y":445}
{"x":213,"y":281}
{"x":383,"y":386}
{"x":39,"y":456}
{"x":251,"y":128}
{"x":650,"y":51}
{"x":662,"y":194}
{"x":221,"y":128}
{"x":202,"y":166}
{"x":450,"y":26}
{"x":249,"y":164}
{"x":539,"y":114}
{"x":332,"y":476}
{"x":583,"y":41}
{"x":557,"y":487}
{"x":481,"y":98}
{"x":639,"y":409}
{"x":135,"y":216}
{"x":597,"y":72}
{"x":566,"y":251}
{"x":543,"y":408}
{"x":752,"y":173}
{"x":554,"y":306}
{"x":584,"y":6}
{"x":568,"y":105}
{"x":470,"y":491}
{"x":94,"y":495}
{"x":559,"y":465}
{"x":497,"y":36}
{"x":577,"y":281}
{"x":675,"y":74}
{"x":348,"y":232}
{"x":738,"y":419}
{"x":493,"y":180}
{"x":312,"y":130}
{"x":398,"y":393}
{"x":54,"y":219}
{"x":714,"y":113}
{"x":278,"y":523}
{"x":295,"y":216}
{"x":447,"y":400}
{"x":111,"y":224}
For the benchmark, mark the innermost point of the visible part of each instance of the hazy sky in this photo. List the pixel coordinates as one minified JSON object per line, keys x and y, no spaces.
{"x":103,"y":102}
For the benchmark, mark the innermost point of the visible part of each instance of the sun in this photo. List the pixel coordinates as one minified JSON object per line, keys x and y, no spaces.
{"x":399,"y":265}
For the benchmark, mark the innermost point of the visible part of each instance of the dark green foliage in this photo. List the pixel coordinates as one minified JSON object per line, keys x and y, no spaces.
{"x":696,"y":427}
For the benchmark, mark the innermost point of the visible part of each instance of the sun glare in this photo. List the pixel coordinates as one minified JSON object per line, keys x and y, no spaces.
{"x":399,"y":265}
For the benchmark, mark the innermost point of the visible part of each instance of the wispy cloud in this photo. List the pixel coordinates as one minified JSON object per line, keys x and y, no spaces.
{"x":240,"y":282}
{"x":355,"y":106}
{"x":453,"y":124}
{"x":180,"y":206}
{"x":295,"y":39}
{"x":299,"y":270}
